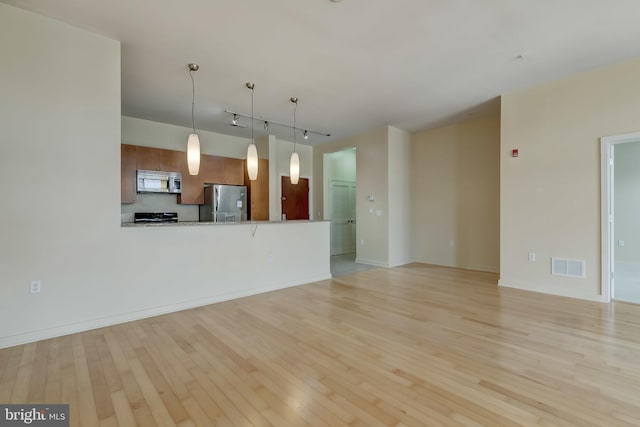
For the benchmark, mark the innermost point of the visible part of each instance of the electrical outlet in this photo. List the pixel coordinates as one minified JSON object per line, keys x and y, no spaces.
{"x":36,"y":286}
{"x":361,"y":242}
{"x":621,"y":243}
{"x":532,"y":257}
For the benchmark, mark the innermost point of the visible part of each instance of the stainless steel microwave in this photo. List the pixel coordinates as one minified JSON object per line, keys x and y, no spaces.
{"x":159,"y":182}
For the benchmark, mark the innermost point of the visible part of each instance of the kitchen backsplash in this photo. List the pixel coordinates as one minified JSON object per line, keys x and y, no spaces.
{"x":158,"y":203}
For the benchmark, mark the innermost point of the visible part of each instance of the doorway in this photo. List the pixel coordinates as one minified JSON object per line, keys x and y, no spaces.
{"x":295,"y":198}
{"x":343,"y":218}
{"x":620,"y":213}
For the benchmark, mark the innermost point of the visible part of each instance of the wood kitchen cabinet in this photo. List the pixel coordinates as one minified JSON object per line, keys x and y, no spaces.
{"x":234,"y":171}
{"x":128,"y":173}
{"x":213,"y":170}
{"x":258,"y":191}
{"x":158,"y":159}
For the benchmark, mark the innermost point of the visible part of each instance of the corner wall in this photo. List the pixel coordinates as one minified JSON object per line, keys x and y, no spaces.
{"x":550,"y":194}
{"x":372,"y":179}
{"x":455,"y":195}
{"x":400,"y":201}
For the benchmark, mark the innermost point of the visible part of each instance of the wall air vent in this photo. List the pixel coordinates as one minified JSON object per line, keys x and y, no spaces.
{"x":567,"y":267}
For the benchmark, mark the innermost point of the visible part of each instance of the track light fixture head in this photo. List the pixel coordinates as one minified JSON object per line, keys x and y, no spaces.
{"x":194,"y":67}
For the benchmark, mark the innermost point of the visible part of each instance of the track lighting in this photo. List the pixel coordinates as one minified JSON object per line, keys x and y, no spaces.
{"x":266,"y":126}
{"x":306,"y":135}
{"x":193,"y":142}
{"x":235,"y":119}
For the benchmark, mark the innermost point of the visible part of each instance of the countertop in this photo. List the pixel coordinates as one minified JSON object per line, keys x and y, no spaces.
{"x":209,"y":223}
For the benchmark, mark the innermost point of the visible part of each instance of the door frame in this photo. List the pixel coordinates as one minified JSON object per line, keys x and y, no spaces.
{"x":279,"y":194}
{"x":607,"y":144}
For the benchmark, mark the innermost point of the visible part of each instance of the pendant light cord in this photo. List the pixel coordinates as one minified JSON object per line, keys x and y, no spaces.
{"x":294,"y":125}
{"x":253,"y":140}
{"x":193,"y":101}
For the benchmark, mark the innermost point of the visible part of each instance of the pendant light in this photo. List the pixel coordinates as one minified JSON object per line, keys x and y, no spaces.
{"x":252,"y":151}
{"x":294,"y":165}
{"x":193,"y":143}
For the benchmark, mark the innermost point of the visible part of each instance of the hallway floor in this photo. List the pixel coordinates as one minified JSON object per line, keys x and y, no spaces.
{"x":342,"y":265}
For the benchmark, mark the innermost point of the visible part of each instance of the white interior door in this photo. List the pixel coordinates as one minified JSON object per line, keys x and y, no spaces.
{"x":343,"y":218}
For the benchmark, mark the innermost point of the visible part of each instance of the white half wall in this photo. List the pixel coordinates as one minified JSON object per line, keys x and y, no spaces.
{"x":60,"y":154}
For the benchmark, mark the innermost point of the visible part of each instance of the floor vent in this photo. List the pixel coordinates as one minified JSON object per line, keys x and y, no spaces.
{"x":567,"y":267}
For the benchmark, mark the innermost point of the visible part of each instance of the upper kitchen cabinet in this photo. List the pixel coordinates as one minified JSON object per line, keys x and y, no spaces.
{"x":233,"y":171}
{"x":212,"y":169}
{"x":128,"y":173}
{"x":157,"y":159}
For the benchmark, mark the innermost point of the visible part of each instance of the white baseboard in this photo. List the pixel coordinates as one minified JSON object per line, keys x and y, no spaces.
{"x":532,"y":288}
{"x":57,"y":331}
{"x":371,"y":262}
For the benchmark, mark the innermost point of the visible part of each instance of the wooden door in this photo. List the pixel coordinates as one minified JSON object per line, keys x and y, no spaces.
{"x":295,"y":198}
{"x":343,"y":218}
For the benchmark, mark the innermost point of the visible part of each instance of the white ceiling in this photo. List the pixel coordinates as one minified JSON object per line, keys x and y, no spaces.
{"x":355,"y":64}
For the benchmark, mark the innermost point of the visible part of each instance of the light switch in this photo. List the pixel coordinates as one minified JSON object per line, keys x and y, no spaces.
{"x":621,"y":243}
{"x":370,"y":211}
{"x":378,"y":212}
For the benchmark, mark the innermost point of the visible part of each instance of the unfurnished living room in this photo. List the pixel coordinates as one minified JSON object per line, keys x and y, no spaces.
{"x":320,"y":213}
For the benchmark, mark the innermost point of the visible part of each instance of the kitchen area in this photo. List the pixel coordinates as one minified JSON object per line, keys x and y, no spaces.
{"x":156,"y":188}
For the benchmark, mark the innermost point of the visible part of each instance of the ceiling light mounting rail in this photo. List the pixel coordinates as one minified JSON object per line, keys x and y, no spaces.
{"x":268,"y":122}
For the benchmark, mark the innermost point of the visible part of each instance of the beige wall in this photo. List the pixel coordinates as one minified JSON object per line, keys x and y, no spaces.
{"x":372,"y":179}
{"x":455,"y":193}
{"x":550,"y":195}
{"x":400,"y":200}
{"x":60,"y":151}
{"x":627,"y":202}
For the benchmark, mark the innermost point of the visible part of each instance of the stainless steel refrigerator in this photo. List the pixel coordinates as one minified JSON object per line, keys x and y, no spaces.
{"x":224,"y":203}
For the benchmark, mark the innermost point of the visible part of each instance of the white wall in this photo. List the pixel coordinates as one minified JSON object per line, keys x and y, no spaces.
{"x":400,"y":200}
{"x":456,"y":195}
{"x":550,"y":195}
{"x":627,"y":201}
{"x":60,"y":152}
{"x":171,"y":137}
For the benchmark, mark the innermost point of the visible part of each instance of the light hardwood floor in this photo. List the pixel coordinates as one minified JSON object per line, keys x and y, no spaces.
{"x":410,"y":346}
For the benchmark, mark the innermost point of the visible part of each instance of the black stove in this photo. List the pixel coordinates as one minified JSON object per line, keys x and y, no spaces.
{"x":155,"y":217}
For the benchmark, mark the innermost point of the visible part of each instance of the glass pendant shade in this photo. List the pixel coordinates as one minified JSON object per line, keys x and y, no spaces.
{"x":294,"y":168}
{"x":252,"y":162}
{"x":193,"y":154}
